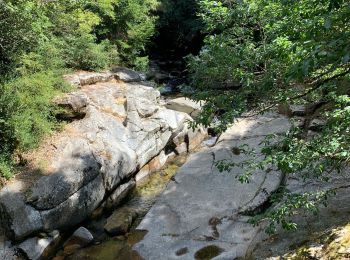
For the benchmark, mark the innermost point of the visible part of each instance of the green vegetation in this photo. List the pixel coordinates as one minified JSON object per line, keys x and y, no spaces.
{"x":41,"y":40}
{"x":179,"y":27}
{"x":259,"y":54}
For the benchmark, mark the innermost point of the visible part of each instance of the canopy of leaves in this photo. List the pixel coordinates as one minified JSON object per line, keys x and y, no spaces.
{"x":179,"y":27}
{"x":261,"y":53}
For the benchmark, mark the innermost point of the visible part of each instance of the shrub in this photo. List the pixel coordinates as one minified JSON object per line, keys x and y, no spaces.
{"x":39,"y":40}
{"x":27,"y":113}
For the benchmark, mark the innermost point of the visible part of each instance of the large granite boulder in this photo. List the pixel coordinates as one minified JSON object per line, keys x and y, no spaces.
{"x":204,"y":210}
{"x":122,"y":129}
{"x":17,"y":218}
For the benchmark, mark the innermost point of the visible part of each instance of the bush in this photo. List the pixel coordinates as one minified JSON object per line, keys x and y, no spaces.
{"x":27,"y":113}
{"x":130,"y":29}
{"x":39,"y":40}
{"x":259,"y":54}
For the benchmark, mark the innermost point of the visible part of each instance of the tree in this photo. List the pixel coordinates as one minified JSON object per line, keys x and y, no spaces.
{"x":179,"y":27}
{"x":41,"y":40}
{"x":259,"y":54}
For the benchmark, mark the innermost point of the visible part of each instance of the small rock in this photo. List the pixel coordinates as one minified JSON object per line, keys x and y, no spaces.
{"x":73,"y":106}
{"x":298,"y":110}
{"x":127,"y":75}
{"x":317,"y":124}
{"x":292,"y":110}
{"x":21,"y":219}
{"x":81,"y":237}
{"x":36,"y":248}
{"x":185,"y":105}
{"x":143,"y":173}
{"x":120,"y":222}
{"x":182,"y":148}
{"x":210,"y":142}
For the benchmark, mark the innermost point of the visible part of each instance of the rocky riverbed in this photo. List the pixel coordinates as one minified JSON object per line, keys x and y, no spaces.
{"x":203,"y":214}
{"x":117,"y":183}
{"x":118,"y":132}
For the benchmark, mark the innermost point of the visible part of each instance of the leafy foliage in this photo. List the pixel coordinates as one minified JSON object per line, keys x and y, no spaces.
{"x":130,"y":28}
{"x":179,"y":28}
{"x":41,"y":40}
{"x":259,"y":54}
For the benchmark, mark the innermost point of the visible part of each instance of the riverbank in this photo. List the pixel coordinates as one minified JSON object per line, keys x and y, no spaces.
{"x":119,"y":131}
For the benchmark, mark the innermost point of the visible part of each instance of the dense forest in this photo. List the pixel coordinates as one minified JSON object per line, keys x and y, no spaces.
{"x":241,"y":56}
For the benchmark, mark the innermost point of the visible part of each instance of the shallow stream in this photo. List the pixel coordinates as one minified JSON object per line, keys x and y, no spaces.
{"x":140,"y":201}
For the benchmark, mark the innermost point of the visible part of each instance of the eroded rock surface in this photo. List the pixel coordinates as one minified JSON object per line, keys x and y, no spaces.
{"x":203,"y":214}
{"x":202,"y":210}
{"x":314,"y":231}
{"x":121,"y":127}
{"x":185,"y":105}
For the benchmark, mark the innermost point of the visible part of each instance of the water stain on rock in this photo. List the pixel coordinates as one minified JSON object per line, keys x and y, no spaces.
{"x":214,"y":222}
{"x":208,"y":252}
{"x":182,"y":251}
{"x":236,"y":151}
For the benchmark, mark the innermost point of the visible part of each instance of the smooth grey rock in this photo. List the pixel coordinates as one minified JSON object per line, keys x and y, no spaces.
{"x":16,"y":217}
{"x":210,"y":142}
{"x":109,"y":140}
{"x":75,"y":168}
{"x":124,"y":127}
{"x":146,"y":108}
{"x":141,"y":90}
{"x":120,"y":194}
{"x":204,"y":207}
{"x":7,"y":251}
{"x":255,"y":127}
{"x":174,"y":119}
{"x":41,"y":247}
{"x":185,"y":105}
{"x":34,"y":247}
{"x":127,"y":75}
{"x":81,"y":236}
{"x":76,"y":208}
{"x":317,"y":124}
